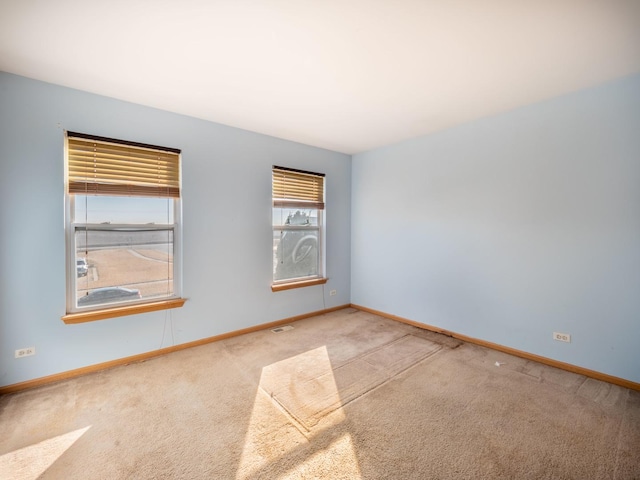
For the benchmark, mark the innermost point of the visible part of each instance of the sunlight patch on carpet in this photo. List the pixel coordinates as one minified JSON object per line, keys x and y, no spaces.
{"x":309,"y":387}
{"x":271,"y":435}
{"x":339,"y":456}
{"x":30,"y":462}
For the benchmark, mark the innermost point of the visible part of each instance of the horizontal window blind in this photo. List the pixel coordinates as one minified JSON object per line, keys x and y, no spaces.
{"x":99,"y":167}
{"x":297,"y":189}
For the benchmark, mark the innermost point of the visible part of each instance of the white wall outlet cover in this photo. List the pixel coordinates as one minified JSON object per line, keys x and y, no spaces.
{"x":562,"y":337}
{"x":25,"y":352}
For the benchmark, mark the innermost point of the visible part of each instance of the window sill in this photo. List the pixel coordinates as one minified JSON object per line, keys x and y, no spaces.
{"x":105,"y":313}
{"x":304,"y":283}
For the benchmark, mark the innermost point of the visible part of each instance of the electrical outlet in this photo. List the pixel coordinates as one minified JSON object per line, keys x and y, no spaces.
{"x":562,"y":337}
{"x":332,"y":292}
{"x":25,"y":352}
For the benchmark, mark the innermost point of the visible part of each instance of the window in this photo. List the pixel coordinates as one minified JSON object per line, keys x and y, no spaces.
{"x":298,"y":207}
{"x":122,"y":227}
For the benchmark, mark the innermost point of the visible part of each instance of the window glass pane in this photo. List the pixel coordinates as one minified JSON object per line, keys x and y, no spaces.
{"x":295,"y":216}
{"x":105,"y":209}
{"x":123,"y":265}
{"x":295,"y":254}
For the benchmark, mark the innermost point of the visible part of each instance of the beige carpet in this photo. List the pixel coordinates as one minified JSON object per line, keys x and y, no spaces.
{"x":308,"y":386}
{"x":345,"y":395}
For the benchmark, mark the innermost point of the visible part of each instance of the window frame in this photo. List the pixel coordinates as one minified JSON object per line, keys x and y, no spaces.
{"x":316,"y":204}
{"x":80,"y":314}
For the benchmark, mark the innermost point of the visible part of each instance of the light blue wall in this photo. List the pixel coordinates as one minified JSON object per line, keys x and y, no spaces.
{"x":512,"y":227}
{"x":227,"y":229}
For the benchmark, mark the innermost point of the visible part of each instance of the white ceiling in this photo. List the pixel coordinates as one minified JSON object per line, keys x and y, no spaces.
{"x":347,"y":75}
